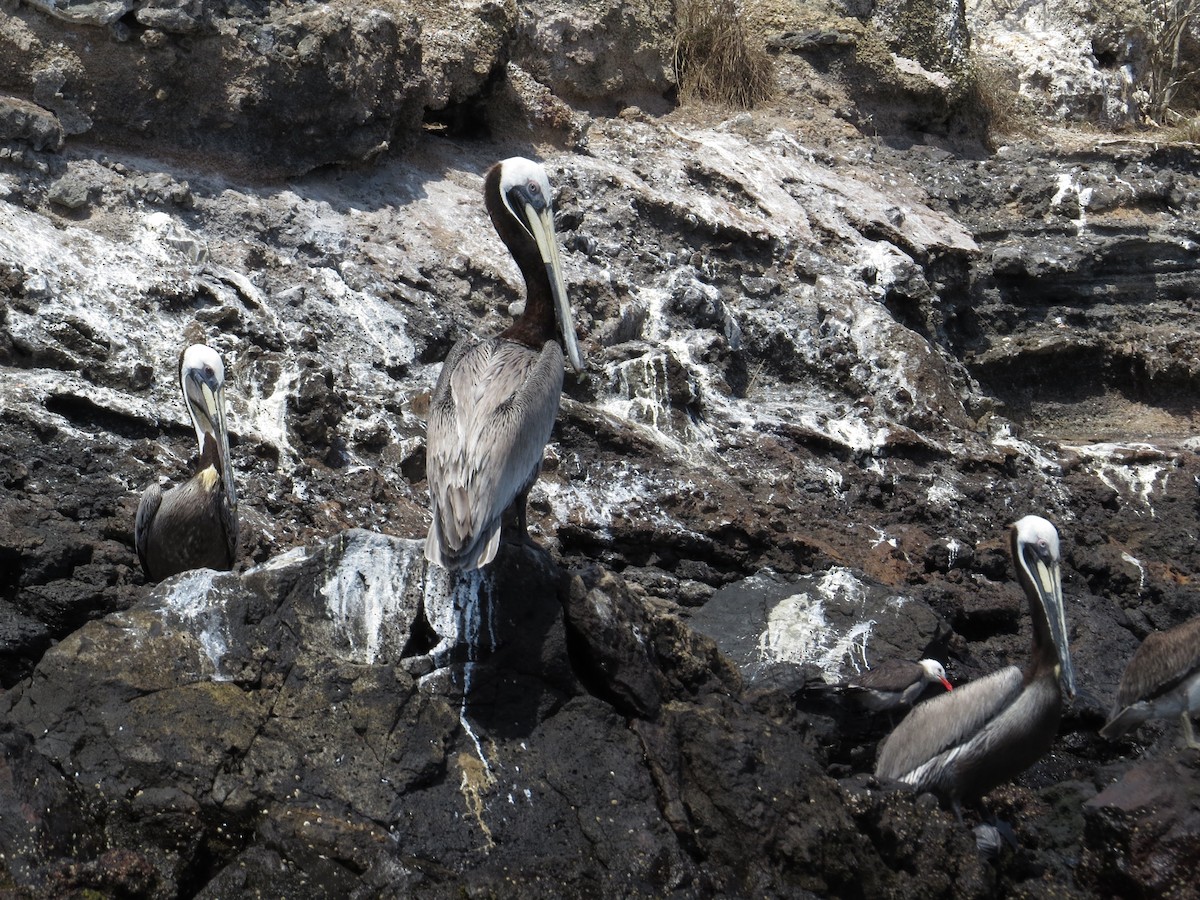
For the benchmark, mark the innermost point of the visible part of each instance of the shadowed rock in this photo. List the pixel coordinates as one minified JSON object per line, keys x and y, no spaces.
{"x":1141,"y":830}
{"x":362,"y":720}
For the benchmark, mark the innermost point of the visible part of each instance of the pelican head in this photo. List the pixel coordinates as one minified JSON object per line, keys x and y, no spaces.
{"x":935,"y":671}
{"x":525,"y":192}
{"x":1035,"y":555}
{"x":202,"y":380}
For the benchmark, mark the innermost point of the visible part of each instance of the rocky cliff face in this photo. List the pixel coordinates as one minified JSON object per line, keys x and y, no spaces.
{"x":835,"y":346}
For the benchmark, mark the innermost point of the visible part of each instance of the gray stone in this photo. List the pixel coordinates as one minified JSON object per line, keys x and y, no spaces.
{"x":29,"y":124}
{"x":71,"y":192}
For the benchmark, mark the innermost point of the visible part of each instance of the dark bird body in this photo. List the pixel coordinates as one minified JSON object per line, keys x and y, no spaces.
{"x":1161,"y":680}
{"x":895,"y":684}
{"x":962,"y":744}
{"x":494,"y":406}
{"x":194,"y":525}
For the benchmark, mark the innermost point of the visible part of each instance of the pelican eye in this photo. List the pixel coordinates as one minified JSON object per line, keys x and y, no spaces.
{"x":535,"y":189}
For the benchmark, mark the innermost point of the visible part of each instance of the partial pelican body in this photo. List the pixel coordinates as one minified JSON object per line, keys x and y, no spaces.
{"x":1161,"y":680}
{"x":194,"y":525}
{"x":962,"y":744}
{"x":494,"y":406}
{"x":896,"y":684}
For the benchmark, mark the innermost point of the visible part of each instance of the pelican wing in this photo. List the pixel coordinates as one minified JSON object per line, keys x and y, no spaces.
{"x":944,"y":723}
{"x":491,"y":414}
{"x":146,"y":511}
{"x":1007,"y":745}
{"x":191,"y":526}
{"x":1163,"y":660}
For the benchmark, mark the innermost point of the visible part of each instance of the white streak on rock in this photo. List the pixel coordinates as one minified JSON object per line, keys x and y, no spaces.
{"x":195,"y":603}
{"x":1134,"y":561}
{"x":798,"y":631}
{"x":1121,"y":467}
{"x":370,"y":595}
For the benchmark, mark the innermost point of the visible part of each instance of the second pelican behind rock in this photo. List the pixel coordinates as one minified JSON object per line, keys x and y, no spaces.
{"x":962,"y":744}
{"x":1161,"y":680}
{"x":494,"y":406}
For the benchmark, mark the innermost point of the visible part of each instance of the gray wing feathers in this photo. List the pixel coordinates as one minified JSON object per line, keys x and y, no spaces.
{"x":1162,"y":660}
{"x":891,"y":675}
{"x":492,"y":412}
{"x":946,"y":722}
{"x":146,"y":511}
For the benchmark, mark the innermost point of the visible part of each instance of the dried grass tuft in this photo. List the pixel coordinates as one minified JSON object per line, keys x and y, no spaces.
{"x":1186,"y":131}
{"x":715,"y":58}
{"x":994,"y":96}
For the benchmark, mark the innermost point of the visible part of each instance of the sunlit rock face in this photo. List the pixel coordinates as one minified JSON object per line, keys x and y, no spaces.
{"x":278,"y":89}
{"x":268,"y":90}
{"x":572,"y":48}
{"x":310,"y":678}
{"x":1073,"y":61}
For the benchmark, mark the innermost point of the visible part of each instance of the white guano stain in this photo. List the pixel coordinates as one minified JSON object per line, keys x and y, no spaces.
{"x":195,"y":603}
{"x":799,"y":632}
{"x":371,"y":587}
{"x":1136,"y":563}
{"x":1136,"y":479}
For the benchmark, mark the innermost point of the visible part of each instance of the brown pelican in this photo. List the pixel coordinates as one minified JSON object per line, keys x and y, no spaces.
{"x":896,"y":683}
{"x":194,"y":525}
{"x":962,"y":744}
{"x":495,"y":402}
{"x":1161,"y":680}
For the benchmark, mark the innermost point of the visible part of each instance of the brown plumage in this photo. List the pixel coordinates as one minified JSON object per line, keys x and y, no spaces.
{"x":1161,"y":680}
{"x":962,"y":744}
{"x":194,"y":525}
{"x":494,"y":406}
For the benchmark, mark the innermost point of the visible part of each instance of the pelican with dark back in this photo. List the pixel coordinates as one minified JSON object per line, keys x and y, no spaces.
{"x":895,"y":684}
{"x":496,"y":400}
{"x":194,"y":525}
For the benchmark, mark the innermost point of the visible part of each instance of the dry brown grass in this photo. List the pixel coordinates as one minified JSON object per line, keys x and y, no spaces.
{"x":1187,"y":131}
{"x":716,"y":58}
{"x":995,"y":97}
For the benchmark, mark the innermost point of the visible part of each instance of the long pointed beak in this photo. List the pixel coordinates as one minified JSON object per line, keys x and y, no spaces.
{"x":1048,"y":581}
{"x":218,"y":403}
{"x":209,"y":416}
{"x":946,"y":684}
{"x":541,"y":223}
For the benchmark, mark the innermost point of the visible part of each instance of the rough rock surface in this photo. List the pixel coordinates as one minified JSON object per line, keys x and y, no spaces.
{"x":1077,"y":60}
{"x":832,"y":353}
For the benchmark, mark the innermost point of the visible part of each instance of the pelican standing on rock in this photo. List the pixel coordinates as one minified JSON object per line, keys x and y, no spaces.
{"x":896,"y":683}
{"x":962,"y":744}
{"x":494,"y":406}
{"x":194,"y":525}
{"x":1161,"y":680}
